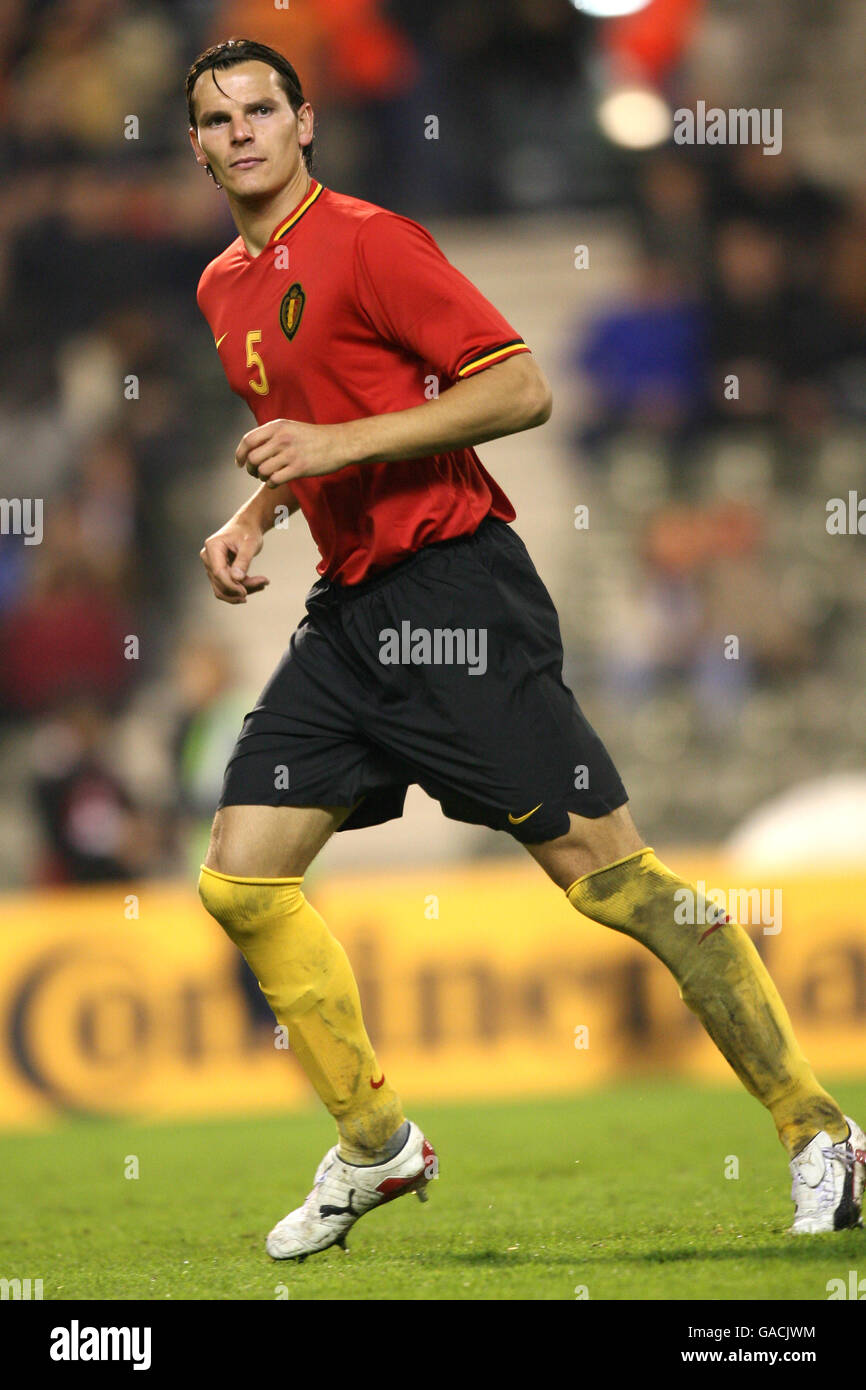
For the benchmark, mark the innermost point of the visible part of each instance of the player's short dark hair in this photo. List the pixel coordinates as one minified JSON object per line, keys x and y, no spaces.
{"x":233,"y":51}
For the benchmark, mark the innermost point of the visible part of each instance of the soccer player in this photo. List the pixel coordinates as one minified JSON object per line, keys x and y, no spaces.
{"x":430,"y":652}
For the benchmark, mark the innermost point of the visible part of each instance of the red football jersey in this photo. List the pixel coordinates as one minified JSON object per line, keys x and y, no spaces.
{"x":352,"y":311}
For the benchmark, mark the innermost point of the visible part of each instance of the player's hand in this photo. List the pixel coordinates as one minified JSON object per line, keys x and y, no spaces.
{"x":227,"y":556}
{"x":282,"y":450}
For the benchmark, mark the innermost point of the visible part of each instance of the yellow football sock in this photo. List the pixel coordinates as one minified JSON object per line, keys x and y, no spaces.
{"x":723,"y":980}
{"x":305,"y":975}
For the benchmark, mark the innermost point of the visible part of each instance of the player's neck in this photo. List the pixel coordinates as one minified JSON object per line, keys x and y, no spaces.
{"x":256,"y":221}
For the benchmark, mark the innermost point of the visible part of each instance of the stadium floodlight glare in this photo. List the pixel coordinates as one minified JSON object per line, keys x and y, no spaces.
{"x":635,"y":117}
{"x":609,"y":9}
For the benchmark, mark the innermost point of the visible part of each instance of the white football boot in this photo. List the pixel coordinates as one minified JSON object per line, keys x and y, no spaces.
{"x":827,"y":1190}
{"x":344,"y":1191}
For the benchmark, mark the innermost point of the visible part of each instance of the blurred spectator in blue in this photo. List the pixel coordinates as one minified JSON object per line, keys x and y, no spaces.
{"x":645,"y":360}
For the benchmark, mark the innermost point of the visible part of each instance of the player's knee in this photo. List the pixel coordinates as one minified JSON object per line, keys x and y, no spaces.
{"x":269,"y":842}
{"x":235,"y":851}
{"x":226,"y":851}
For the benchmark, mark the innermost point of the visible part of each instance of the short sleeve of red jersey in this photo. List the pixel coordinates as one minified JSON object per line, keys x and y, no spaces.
{"x":416,"y":298}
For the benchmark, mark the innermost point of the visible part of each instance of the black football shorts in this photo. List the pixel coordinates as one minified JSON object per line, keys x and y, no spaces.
{"x":444,"y":670}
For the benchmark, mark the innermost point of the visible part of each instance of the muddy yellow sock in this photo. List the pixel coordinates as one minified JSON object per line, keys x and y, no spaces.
{"x":305,"y":975}
{"x":723,"y":980}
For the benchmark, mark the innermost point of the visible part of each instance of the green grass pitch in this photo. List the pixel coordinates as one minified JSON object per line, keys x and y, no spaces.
{"x":621,"y":1192}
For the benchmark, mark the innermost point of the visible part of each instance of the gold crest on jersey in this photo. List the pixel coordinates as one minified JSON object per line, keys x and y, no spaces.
{"x":291,"y":309}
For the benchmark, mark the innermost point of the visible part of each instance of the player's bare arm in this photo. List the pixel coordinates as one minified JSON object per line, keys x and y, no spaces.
{"x":228,"y":553}
{"x":506,"y":398}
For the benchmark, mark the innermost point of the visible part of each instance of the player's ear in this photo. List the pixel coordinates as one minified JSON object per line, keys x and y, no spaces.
{"x":306,"y":120}
{"x":200,"y":156}
{"x":197,"y":150}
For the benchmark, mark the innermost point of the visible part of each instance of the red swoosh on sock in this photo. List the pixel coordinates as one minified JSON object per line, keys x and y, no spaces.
{"x":377,"y":1084}
{"x":722,"y":922}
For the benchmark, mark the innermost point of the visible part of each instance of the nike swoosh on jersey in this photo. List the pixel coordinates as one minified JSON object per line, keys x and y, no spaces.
{"x":516,"y":820}
{"x":219,"y":340}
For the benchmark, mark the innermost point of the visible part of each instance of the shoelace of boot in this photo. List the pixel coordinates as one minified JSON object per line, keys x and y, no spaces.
{"x":847,"y":1157}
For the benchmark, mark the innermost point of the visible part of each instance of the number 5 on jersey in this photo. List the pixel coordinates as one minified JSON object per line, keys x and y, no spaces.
{"x":254,"y":360}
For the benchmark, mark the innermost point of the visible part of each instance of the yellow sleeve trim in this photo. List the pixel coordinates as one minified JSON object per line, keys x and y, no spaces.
{"x":497,"y":355}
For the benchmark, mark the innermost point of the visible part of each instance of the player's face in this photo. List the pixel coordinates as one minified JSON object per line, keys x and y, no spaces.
{"x":248,"y":132}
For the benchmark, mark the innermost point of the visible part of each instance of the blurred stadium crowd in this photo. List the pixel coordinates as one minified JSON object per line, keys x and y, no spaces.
{"x":725,"y":401}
